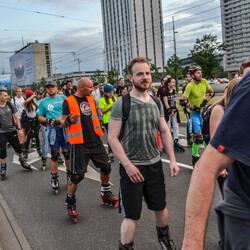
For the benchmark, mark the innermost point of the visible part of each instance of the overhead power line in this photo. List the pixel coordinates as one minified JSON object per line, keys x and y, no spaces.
{"x":48,"y":14}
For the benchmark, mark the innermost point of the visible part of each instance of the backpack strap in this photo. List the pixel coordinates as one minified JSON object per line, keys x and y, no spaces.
{"x":126,"y":102}
{"x":157,"y":101}
{"x":11,"y":107}
{"x":12,"y":110}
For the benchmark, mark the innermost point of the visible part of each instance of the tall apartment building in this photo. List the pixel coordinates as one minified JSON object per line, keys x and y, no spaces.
{"x":132,"y":28}
{"x":236,"y":32}
{"x":31,"y":63}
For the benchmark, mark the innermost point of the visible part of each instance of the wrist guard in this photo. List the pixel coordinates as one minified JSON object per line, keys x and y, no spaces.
{"x":169,"y":111}
{"x":204,"y":103}
{"x":68,"y":119}
{"x":183,"y":103}
{"x":212,"y":94}
{"x":50,"y":120}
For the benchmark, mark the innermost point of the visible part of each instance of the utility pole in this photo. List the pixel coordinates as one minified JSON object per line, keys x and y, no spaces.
{"x":79,"y":62}
{"x":175,"y":55}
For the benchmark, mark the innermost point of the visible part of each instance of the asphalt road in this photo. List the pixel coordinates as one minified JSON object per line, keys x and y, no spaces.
{"x":42,"y":215}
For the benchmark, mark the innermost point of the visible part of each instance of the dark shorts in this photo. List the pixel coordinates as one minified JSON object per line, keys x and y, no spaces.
{"x":80,"y":154}
{"x":153,"y":190}
{"x":60,"y":142}
{"x":12,"y":138}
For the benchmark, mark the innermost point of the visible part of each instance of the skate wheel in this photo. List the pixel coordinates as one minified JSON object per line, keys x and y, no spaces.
{"x":75,"y":220}
{"x":103,"y":203}
{"x":116,"y":205}
{"x":44,"y":168}
{"x":56,"y":191}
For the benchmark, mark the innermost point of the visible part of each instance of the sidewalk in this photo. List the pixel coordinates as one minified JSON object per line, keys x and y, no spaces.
{"x":11,"y":235}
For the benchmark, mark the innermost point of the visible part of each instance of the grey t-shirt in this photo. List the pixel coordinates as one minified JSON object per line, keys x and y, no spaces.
{"x":140,"y":132}
{"x":6,"y":120}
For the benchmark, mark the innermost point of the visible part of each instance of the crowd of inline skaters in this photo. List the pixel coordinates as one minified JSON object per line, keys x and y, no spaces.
{"x":73,"y":119}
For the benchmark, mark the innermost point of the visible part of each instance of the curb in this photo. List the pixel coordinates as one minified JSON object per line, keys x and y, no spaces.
{"x":11,"y":235}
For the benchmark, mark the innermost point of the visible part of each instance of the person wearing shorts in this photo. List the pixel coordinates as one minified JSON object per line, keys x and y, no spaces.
{"x":84,"y":131}
{"x":194,"y":98}
{"x":141,"y":168}
{"x":8,"y":132}
{"x":50,"y":112}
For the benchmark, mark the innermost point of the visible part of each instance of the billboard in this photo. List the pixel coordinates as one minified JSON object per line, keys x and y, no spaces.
{"x":22,"y":66}
{"x":5,"y":81}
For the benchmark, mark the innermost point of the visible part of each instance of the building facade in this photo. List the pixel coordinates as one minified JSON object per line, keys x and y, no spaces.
{"x":31,"y":63}
{"x":236,"y":32}
{"x":132,"y":28}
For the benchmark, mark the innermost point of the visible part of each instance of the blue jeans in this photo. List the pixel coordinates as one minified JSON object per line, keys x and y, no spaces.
{"x":173,"y":120}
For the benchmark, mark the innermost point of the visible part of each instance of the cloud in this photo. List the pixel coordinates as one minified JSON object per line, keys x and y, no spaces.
{"x":61,"y":4}
{"x":190,"y":23}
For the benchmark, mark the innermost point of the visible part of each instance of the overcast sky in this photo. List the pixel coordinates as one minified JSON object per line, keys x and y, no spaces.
{"x":78,"y":34}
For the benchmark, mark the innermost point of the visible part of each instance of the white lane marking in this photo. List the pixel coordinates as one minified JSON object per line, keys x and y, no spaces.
{"x":179,"y":164}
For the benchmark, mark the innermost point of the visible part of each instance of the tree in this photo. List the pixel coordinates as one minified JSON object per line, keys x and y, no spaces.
{"x":174,"y":67}
{"x":112,"y":76}
{"x":156,"y":75}
{"x":98,"y":77}
{"x":205,"y":53}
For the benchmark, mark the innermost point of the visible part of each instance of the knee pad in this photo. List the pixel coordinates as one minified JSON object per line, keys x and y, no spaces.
{"x":66,"y":155}
{"x":106,"y":170}
{"x":70,"y":199}
{"x":55,"y":156}
{"x":198,"y":139}
{"x":76,"y":178}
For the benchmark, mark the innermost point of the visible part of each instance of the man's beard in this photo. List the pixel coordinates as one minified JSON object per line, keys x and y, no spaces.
{"x":52,"y":94}
{"x":140,"y":87}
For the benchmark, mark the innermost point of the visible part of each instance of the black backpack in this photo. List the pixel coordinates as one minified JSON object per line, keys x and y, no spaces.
{"x":12,"y":110}
{"x":205,"y":126}
{"x":126,"y":102}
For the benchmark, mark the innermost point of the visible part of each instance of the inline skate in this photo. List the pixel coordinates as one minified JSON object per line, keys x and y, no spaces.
{"x":178,"y":147}
{"x":24,"y":164}
{"x":3,"y":170}
{"x":111,"y":156}
{"x":44,"y":162}
{"x":108,"y":199}
{"x":71,"y":206}
{"x":195,"y":158}
{"x":55,"y":182}
{"x":164,"y":238}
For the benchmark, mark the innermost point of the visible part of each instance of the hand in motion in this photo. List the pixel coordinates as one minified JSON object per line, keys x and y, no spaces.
{"x":134,"y":174}
{"x":223,"y":173}
{"x":174,"y":169}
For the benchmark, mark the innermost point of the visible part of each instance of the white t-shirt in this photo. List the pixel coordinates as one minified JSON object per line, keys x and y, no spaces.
{"x":19,"y":105}
{"x":96,"y":94}
{"x":31,"y":114}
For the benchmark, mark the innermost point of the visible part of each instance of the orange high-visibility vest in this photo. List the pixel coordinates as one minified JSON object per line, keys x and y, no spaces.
{"x":75,"y":134}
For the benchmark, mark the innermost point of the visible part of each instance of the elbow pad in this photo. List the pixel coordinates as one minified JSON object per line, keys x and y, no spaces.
{"x":212,"y":94}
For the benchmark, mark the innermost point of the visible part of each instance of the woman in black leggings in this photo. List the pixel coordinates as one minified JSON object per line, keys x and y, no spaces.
{"x":32,"y":125}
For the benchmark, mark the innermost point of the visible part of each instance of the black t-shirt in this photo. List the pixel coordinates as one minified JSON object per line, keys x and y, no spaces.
{"x":171,"y":98}
{"x":233,"y":138}
{"x":67,"y":93}
{"x":89,"y":135}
